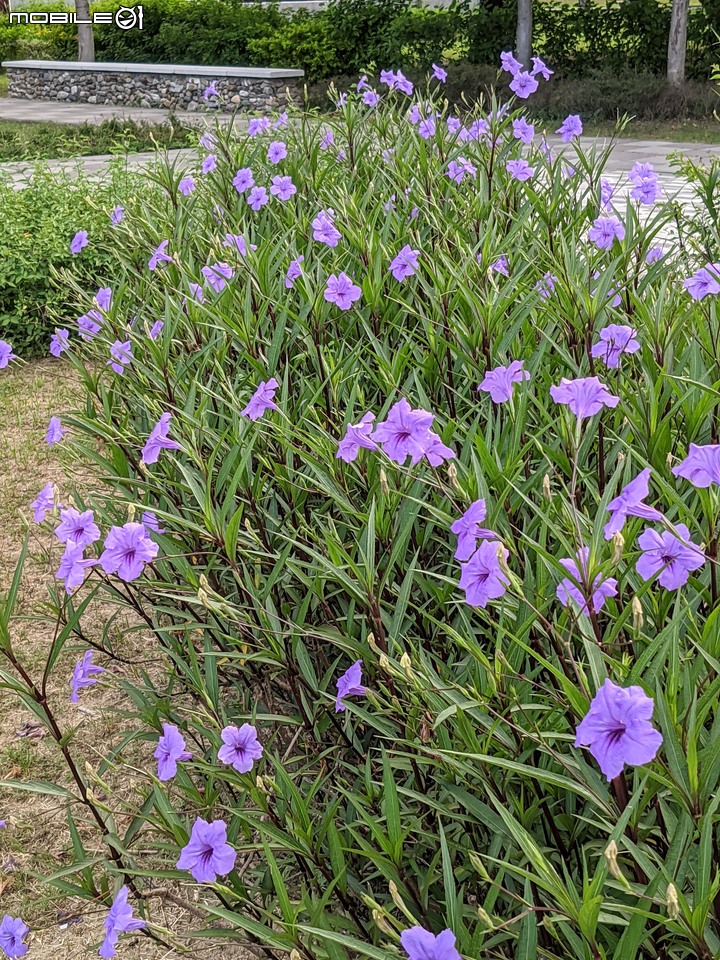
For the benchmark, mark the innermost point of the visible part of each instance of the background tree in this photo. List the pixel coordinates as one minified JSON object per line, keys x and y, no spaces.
{"x":523,"y":37}
{"x":677,"y":43}
{"x":86,"y":39}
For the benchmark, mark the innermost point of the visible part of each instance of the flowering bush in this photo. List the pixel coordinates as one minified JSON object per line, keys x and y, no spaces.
{"x":412,"y":472}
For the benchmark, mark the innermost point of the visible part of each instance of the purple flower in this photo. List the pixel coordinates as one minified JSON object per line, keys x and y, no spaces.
{"x":89,"y":324}
{"x":519,"y":169}
{"x":469,"y":531}
{"x":210,"y":91}
{"x":243,"y":180}
{"x":127,"y":550}
{"x":522,"y":130}
{"x":283,"y":188}
{"x":55,"y":431}
{"x":186,"y":186}
{"x":641,"y":170}
{"x":293,"y":272}
{"x":499,"y":383}
{"x":282,"y":121}
{"x":615,"y":339}
{"x":349,"y":685}
{"x":704,"y":281}
{"x":357,"y":435}
{"x":216,"y":275}
{"x":258,"y":125}
{"x":328,"y":140}
{"x":701,"y":466}
{"x":420,"y":944}
{"x":585,"y":396}
{"x":170,"y":751}
{"x":482,"y":578}
{"x":426,"y":128}
{"x":84,"y":675}
{"x":570,"y":127}
{"x":155,"y":330}
{"x":207,"y":854}
{"x":257,"y":198}
{"x":604,"y":231}
{"x":523,"y":84}
{"x":239,"y":243}
{"x":72,"y":568}
{"x":655,"y":254}
{"x":117,"y":216}
{"x":44,"y":502}
{"x":540,"y":68}
{"x":664,"y":553}
{"x":159,"y":256}
{"x":207,"y":141}
{"x":261,"y":400}
{"x":629,"y":503}
{"x":277,"y":151}
{"x":12,"y":931}
{"x":501,"y":265}
{"x":119,"y":920}
{"x":546,"y":286}
{"x":439,"y":73}
{"x":458,"y":169}
{"x":78,"y":528}
{"x":59,"y":342}
{"x":509,"y":64}
{"x":79,"y":241}
{"x":578,"y":568}
{"x":646,"y":190}
{"x":617,"y":729}
{"x":341,"y":291}
{"x":324,"y":228}
{"x":209,"y":163}
{"x":197,"y":292}
{"x":241,"y":747}
{"x":405,"y":432}
{"x":120,"y":355}
{"x":402,"y":84}
{"x":151,"y":522}
{"x":606,"y":193}
{"x":158,"y":440}
{"x":436,"y":452}
{"x":6,"y":354}
{"x":370,"y":98}
{"x":405,"y":263}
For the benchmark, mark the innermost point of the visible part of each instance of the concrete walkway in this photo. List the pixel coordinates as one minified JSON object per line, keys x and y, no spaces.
{"x":47,"y":111}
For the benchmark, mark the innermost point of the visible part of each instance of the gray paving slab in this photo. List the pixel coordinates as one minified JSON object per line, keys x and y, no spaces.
{"x":47,"y":111}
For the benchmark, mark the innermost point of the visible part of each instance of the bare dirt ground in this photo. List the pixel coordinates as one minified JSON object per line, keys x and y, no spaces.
{"x":36,"y":840}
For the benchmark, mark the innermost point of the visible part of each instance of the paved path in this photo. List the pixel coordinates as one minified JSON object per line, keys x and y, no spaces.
{"x":47,"y":111}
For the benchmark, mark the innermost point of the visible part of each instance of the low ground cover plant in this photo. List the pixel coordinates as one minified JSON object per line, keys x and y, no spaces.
{"x":406,"y":437}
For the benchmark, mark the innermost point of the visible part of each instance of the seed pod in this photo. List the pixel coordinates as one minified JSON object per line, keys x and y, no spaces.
{"x":637,"y":613}
{"x":618,"y":547}
{"x":383,"y":482}
{"x":406,"y":664}
{"x":546,"y":488}
{"x":672,"y":903}
{"x":611,"y":858}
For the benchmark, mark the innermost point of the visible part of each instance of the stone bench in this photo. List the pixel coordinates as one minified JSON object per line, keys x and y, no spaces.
{"x":171,"y":86}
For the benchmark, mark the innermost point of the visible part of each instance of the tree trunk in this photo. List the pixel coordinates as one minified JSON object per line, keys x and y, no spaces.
{"x":677,"y":43}
{"x":523,"y":39}
{"x":86,"y":40}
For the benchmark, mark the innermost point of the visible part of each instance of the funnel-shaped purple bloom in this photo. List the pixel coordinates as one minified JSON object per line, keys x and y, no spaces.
{"x":12,"y":931}
{"x":127,"y":550}
{"x":216,"y":276}
{"x":500,"y":382}
{"x":701,"y":466}
{"x":349,"y":685}
{"x":170,"y":751}
{"x":341,"y":291}
{"x":79,"y":241}
{"x":6,"y":354}
{"x":601,"y":589}
{"x":405,"y":263}
{"x":159,"y":256}
{"x":55,"y":431}
{"x":704,"y":281}
{"x":324,"y":229}
{"x":615,"y":339}
{"x":293,"y":272}
{"x":241,"y":747}
{"x":405,"y":432}
{"x":44,"y":502}
{"x":119,"y":920}
{"x":76,"y":527}
{"x":59,"y":342}
{"x":604,"y":231}
{"x":469,"y":531}
{"x":158,"y":440}
{"x":585,"y":396}
{"x":664,"y":554}
{"x":629,"y":503}
{"x":523,"y":84}
{"x":243,"y":180}
{"x":84,"y":675}
{"x":207,"y":854}
{"x":420,"y":944}
{"x":570,"y":127}
{"x":617,"y":729}
{"x":357,"y":435}
{"x":262,"y":400}
{"x":73,"y":565}
{"x":482,"y":578}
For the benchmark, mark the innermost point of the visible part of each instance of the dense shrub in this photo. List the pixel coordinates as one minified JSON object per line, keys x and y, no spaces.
{"x":36,"y":226}
{"x":450,"y":793}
